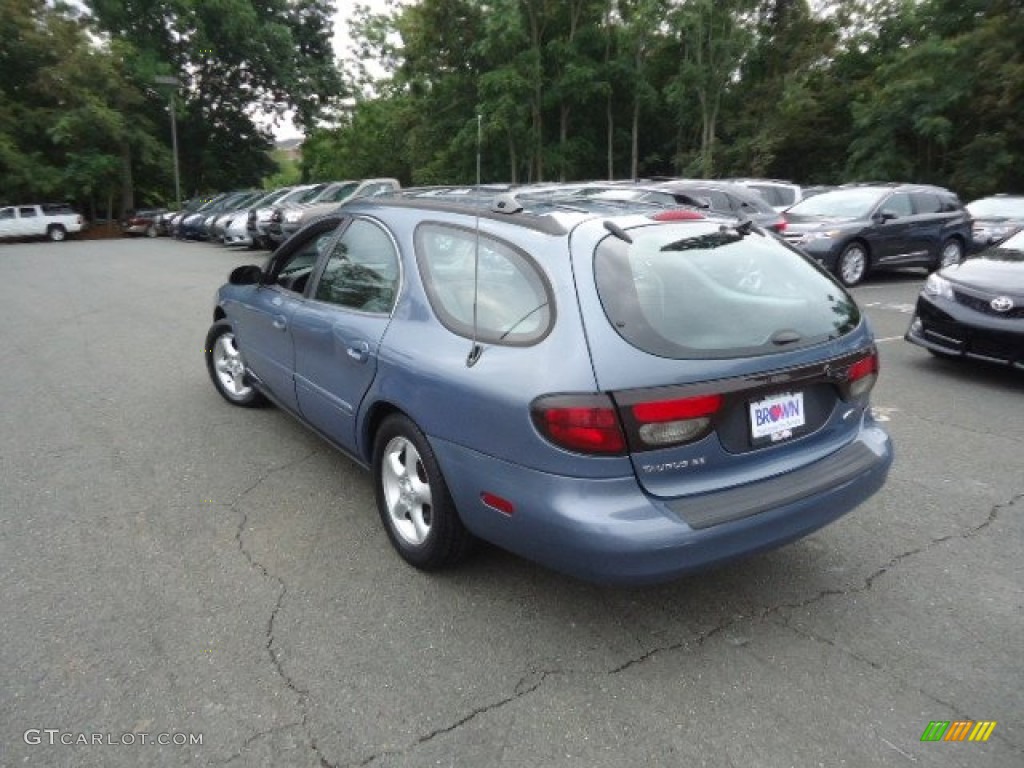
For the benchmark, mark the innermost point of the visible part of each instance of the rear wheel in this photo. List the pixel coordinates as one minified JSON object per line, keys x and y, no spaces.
{"x":852,"y":266}
{"x":413,"y":499}
{"x":56,"y":232}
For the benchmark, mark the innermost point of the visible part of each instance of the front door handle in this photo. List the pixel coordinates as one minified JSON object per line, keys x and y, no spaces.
{"x":280,"y":322}
{"x":359,"y":351}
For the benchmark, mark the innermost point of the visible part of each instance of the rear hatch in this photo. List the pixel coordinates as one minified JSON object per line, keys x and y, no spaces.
{"x":728,"y":356}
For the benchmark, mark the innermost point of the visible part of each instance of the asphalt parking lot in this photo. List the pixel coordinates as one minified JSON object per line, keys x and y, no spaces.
{"x":174,"y":566}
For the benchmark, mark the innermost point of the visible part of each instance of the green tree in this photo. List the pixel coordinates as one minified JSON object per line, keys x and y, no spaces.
{"x":236,"y":60}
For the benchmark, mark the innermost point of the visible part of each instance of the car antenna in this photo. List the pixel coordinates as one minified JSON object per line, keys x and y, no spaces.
{"x":476,"y":349}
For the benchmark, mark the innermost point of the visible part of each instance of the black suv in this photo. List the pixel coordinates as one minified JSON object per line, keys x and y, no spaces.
{"x":859,"y":227}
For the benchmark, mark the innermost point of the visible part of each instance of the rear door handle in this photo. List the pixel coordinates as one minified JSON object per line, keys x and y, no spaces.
{"x":359,"y":351}
{"x":280,"y":322}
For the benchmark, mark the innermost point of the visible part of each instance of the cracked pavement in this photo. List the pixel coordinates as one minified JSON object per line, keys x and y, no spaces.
{"x":172,"y":564}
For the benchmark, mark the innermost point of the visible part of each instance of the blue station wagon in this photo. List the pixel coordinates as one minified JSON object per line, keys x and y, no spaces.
{"x":621,"y":394}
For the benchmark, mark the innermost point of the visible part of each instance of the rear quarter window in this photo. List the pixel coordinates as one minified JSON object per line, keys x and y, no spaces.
{"x":704,"y":291}
{"x":514,"y":301}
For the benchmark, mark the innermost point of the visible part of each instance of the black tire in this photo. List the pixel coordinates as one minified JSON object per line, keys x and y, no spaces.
{"x":226,"y":367}
{"x":56,"y":233}
{"x":853,"y":264}
{"x":952,"y":252}
{"x":402,"y":453}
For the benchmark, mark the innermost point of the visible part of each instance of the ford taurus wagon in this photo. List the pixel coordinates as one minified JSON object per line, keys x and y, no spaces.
{"x":622,"y":394}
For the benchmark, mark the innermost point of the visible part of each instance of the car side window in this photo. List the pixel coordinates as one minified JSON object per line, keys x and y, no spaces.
{"x":362,"y":271}
{"x":341,"y":193}
{"x":27,"y":213}
{"x":461,"y":268}
{"x":7,"y":213}
{"x":898,"y":205}
{"x":294,"y":271}
{"x":925,"y":202}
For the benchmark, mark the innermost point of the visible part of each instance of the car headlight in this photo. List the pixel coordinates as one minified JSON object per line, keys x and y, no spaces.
{"x":831,"y":234}
{"x":292,"y":216}
{"x":936,"y":285}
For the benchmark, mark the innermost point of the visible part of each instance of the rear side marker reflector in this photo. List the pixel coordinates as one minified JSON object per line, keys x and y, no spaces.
{"x":496,"y":502}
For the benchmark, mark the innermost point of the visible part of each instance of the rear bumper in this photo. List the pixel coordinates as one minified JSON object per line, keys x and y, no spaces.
{"x":610,"y":531}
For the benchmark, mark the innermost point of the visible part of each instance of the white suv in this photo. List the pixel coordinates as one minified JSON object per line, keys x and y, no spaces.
{"x":779,"y":194}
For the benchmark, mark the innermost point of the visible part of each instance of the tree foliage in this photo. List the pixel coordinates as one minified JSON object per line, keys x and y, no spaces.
{"x":822,"y":92}
{"x":83,"y":116}
{"x":819,"y":91}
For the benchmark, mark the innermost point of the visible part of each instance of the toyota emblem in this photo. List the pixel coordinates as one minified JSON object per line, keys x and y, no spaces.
{"x":1001,"y":304}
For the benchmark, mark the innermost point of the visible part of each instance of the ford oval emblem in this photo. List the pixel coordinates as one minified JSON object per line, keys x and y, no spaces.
{"x":1001,"y":304}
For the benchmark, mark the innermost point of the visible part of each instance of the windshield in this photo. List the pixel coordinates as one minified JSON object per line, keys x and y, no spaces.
{"x":1009,"y":207}
{"x":1012,"y":248}
{"x":697,"y":289}
{"x":840,"y":204}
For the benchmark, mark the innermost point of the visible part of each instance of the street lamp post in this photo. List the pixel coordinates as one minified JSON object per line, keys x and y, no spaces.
{"x":175,"y":82}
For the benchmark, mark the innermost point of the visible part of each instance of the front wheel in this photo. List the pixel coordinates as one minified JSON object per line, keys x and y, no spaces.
{"x":56,"y":233}
{"x":227,"y":368}
{"x":853,"y":263}
{"x":952,"y":253}
{"x":413,"y":499}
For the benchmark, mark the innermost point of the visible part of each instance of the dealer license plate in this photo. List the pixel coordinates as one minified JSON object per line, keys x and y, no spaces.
{"x":777,"y":417}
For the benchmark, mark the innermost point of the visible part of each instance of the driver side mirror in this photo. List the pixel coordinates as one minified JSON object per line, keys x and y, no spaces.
{"x":249,"y":274}
{"x":885,"y":216}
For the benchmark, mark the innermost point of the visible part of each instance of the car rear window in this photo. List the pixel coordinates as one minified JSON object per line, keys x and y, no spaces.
{"x":775,"y":195}
{"x":699,"y":290}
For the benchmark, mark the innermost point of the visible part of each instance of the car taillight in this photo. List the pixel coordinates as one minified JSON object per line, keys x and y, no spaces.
{"x":680,"y":214}
{"x":661,"y":423}
{"x":862,"y":375}
{"x":780,"y":226}
{"x":580,"y":423}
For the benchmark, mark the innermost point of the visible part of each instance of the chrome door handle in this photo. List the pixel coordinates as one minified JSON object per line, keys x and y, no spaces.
{"x":359,"y":351}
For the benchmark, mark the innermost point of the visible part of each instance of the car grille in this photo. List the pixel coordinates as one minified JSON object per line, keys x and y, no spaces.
{"x":983,"y":304}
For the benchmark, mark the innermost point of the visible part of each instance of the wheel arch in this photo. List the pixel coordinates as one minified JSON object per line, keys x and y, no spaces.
{"x":375,"y":416}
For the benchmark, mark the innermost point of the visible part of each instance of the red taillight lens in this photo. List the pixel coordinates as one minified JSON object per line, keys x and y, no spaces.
{"x":660,"y":423}
{"x":780,"y":226}
{"x":682,"y":214}
{"x":863,"y":367}
{"x":862,"y":375}
{"x":669,"y":410}
{"x":581,"y":423}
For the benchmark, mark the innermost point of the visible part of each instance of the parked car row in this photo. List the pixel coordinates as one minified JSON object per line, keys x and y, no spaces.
{"x":261,"y":218}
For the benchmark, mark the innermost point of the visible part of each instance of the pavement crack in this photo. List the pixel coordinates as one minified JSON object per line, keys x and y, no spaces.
{"x":867,"y":584}
{"x":527,"y":684}
{"x":302,"y":694}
